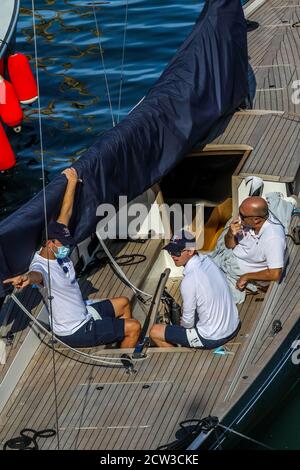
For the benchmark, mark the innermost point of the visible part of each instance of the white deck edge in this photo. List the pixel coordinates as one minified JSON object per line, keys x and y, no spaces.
{"x":20,"y":361}
{"x":248,"y":10}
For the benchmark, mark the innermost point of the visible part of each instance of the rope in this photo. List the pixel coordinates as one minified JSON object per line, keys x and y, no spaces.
{"x":103,"y":65}
{"x":100,"y":359}
{"x":121,"y":272}
{"x":26,"y":442}
{"x":45,"y":210}
{"x":204,"y":425}
{"x":219,"y":446}
{"x":122,"y":64}
{"x":244,"y":436}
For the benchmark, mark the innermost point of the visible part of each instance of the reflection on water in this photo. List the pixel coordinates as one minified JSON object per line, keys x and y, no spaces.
{"x":73,"y":84}
{"x":73,"y":95}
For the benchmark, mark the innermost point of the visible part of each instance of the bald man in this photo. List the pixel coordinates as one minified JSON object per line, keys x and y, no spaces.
{"x":257,"y":241}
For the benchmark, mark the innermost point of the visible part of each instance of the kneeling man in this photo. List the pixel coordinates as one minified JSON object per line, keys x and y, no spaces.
{"x":209,"y":315}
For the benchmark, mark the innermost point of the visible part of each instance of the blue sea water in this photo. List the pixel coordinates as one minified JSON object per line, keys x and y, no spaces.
{"x":74,"y":100}
{"x":74,"y":97}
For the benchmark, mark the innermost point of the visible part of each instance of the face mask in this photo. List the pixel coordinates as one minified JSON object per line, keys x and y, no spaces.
{"x":62,"y":252}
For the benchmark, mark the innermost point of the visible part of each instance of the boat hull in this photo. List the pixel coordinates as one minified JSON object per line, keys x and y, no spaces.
{"x":276,"y":380}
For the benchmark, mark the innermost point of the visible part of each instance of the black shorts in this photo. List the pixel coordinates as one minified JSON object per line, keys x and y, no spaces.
{"x":177,"y":335}
{"x":95,"y":332}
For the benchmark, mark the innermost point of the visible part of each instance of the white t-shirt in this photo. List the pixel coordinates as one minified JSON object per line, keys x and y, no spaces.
{"x":265,"y":250}
{"x":204,"y":290}
{"x":69,"y":311}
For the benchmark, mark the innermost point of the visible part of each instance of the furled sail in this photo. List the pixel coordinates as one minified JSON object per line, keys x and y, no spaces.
{"x":204,"y":82}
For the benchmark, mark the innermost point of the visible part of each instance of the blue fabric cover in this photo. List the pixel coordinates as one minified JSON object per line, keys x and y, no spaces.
{"x":205,"y":81}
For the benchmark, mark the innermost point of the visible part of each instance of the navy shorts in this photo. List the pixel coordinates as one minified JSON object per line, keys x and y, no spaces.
{"x":95,"y":332}
{"x":177,"y":335}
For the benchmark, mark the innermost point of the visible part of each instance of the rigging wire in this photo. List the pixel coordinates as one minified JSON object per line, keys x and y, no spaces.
{"x":101,"y":359}
{"x":115,"y":265}
{"x":244,"y":436}
{"x":122,"y":64}
{"x":103,"y":64}
{"x":204,"y":425}
{"x":105,"y":360}
{"x":120,"y":272}
{"x":45,"y":212}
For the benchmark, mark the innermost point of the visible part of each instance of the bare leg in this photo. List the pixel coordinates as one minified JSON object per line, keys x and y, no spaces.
{"x":132,"y":328}
{"x":132,"y":332}
{"x":157,"y":334}
{"x":122,"y":307}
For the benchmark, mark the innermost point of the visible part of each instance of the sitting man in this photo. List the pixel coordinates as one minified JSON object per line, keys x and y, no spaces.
{"x":257,"y":241}
{"x":209,"y":315}
{"x":70,"y":319}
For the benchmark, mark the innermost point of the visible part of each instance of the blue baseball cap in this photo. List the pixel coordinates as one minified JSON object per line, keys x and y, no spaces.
{"x":60,"y":232}
{"x":180,"y":241}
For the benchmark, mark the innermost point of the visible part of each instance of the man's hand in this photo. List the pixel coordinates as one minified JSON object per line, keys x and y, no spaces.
{"x":242,"y":282}
{"x":235,"y":227}
{"x":231,"y":235}
{"x":71,"y":175}
{"x":19,"y":282}
{"x":264,"y":275}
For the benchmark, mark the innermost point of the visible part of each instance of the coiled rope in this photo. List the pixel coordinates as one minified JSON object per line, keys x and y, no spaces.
{"x":27,"y":442}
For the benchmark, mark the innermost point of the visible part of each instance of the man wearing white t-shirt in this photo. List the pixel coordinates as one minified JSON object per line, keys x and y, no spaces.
{"x":52,"y":270}
{"x":209,"y":316}
{"x":257,"y":240}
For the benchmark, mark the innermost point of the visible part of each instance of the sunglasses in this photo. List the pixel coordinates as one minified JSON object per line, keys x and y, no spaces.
{"x":176,"y":253}
{"x":243,"y":216}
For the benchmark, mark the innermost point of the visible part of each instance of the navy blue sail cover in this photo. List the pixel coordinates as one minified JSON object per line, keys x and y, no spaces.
{"x":205,"y":81}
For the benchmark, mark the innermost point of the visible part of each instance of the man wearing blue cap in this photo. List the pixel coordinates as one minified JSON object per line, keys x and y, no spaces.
{"x":70,"y":319}
{"x":209,"y":315}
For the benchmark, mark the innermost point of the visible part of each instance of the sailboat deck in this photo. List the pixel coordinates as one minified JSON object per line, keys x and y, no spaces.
{"x":272,"y":126}
{"x":101,"y":407}
{"x":100,"y":282}
{"x":15,"y":322}
{"x":275,"y":56}
{"x":275,"y":142}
